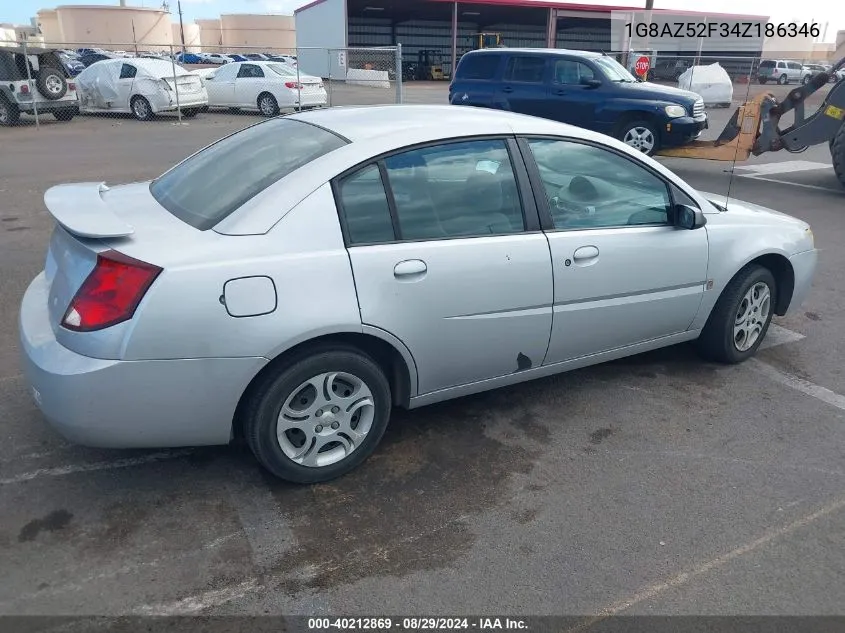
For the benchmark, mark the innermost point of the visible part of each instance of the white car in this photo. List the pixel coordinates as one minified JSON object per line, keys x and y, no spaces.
{"x":265,"y":86}
{"x":214,"y":58}
{"x":143,"y":87}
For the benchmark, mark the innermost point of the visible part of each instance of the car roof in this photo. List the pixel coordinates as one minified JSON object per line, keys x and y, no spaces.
{"x":363,"y":123}
{"x":534,"y":51}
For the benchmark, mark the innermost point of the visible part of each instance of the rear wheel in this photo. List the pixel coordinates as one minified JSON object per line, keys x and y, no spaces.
{"x":641,"y":135}
{"x":783,"y":80}
{"x":141,"y":108}
{"x":190,"y":113}
{"x":9,"y":113}
{"x":837,"y":152}
{"x":741,"y":317}
{"x":64,"y":115}
{"x":267,"y":104}
{"x":320,"y":416}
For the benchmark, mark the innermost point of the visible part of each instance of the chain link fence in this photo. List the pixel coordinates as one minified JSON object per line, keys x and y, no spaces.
{"x":164,"y":81}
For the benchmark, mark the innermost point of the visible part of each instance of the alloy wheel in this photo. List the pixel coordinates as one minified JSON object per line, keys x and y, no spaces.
{"x":325,"y":419}
{"x":751,"y":316}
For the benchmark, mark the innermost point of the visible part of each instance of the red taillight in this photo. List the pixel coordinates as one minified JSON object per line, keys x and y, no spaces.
{"x":24,"y":89}
{"x":111,"y":292}
{"x":293,"y":85}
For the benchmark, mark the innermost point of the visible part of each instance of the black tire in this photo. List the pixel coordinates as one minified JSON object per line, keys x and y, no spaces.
{"x":141,"y":108}
{"x":641,"y":124}
{"x":805,"y":80}
{"x":262,"y":412}
{"x":190,"y":113}
{"x":716,"y":341}
{"x":64,"y":115}
{"x":783,"y":80}
{"x":51,"y":83}
{"x":837,"y":153}
{"x":9,"y":113}
{"x":267,"y":104}
{"x":763,"y":80}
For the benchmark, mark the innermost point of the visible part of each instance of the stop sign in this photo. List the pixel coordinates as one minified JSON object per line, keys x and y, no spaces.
{"x":642,"y":66}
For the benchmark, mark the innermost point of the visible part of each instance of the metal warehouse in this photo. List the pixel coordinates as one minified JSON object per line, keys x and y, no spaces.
{"x":448,"y":29}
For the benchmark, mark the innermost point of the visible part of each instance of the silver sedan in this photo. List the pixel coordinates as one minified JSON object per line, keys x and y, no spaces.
{"x":296,"y":280}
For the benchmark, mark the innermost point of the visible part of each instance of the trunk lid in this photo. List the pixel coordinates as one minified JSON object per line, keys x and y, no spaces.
{"x":92,"y":218}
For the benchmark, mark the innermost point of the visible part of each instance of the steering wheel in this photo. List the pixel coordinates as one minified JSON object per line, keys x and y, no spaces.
{"x":569,"y":211}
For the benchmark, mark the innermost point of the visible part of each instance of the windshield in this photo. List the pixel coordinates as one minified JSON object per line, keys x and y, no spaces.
{"x":613,"y":70}
{"x":208,"y":186}
{"x":282,"y":69}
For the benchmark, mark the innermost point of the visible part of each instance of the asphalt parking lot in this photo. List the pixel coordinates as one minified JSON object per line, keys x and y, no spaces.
{"x":659,"y":484}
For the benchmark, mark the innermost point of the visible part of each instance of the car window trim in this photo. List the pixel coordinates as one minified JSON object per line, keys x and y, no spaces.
{"x":530,"y":213}
{"x":546,"y":220}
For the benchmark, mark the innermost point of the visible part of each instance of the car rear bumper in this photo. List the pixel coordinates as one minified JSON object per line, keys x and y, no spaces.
{"x":48,"y":106}
{"x":682,"y":130}
{"x":128,"y":404}
{"x":186,"y":100}
{"x":804,"y":268}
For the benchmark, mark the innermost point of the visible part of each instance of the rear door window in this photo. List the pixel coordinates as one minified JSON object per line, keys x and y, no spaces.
{"x":205,"y":188}
{"x":528,"y":69}
{"x":482,"y":66}
{"x":127,"y":71}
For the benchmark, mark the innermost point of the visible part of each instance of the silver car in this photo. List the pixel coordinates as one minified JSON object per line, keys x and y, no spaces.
{"x":294,"y":281}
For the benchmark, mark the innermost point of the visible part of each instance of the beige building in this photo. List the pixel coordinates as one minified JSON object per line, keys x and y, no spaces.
{"x":267,"y":32}
{"x":110,"y":27}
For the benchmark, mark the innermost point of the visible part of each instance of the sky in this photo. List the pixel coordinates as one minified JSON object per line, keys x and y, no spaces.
{"x":821,"y":11}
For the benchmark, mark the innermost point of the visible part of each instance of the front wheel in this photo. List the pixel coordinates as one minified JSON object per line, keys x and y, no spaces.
{"x":319,"y":417}
{"x":805,"y":80}
{"x":837,"y":153}
{"x":641,"y":135}
{"x":741,"y":317}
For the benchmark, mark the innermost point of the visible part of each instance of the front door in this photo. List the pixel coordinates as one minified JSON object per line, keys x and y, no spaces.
{"x":571,"y":97}
{"x":623,"y":274}
{"x":523,"y":87}
{"x":249,"y":84}
{"x":443,"y":259}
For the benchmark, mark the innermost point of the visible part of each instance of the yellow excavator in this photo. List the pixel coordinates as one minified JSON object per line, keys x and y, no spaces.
{"x":753,"y":128}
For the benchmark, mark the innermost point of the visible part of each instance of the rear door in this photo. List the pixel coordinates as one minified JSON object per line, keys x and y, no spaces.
{"x":249,"y":83}
{"x":465,"y":284}
{"x":523,"y":87}
{"x":475,"y":80}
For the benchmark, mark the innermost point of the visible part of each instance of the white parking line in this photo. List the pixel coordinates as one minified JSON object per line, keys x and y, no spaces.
{"x":202,"y":601}
{"x":799,"y":384}
{"x":783,"y":167}
{"x":656,"y":589}
{"x":777,"y":335}
{"x":61,"y":471}
{"x":264,"y":525}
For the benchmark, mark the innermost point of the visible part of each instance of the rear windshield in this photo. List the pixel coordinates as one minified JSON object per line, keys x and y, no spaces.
{"x":478,"y":66}
{"x":767,"y":64}
{"x":213,"y":183}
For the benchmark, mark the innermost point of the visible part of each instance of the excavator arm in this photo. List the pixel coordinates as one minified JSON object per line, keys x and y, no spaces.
{"x":753,"y":128}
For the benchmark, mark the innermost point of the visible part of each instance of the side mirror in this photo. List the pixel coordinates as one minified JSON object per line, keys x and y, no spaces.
{"x":687,"y":217}
{"x":592,"y":83}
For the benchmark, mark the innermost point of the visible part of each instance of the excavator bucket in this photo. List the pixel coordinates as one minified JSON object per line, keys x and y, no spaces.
{"x":734,"y":143}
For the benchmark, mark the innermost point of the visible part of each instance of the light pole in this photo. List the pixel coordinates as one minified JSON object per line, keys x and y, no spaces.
{"x":181,"y":28}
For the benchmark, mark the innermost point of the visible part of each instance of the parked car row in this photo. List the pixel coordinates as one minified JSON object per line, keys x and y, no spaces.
{"x":148,"y":85}
{"x":228,"y":58}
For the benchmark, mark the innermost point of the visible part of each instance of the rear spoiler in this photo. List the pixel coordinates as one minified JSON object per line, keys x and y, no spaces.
{"x":80,"y":209}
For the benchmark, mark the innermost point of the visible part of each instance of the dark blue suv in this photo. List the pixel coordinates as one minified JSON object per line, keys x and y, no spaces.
{"x":589,"y":90}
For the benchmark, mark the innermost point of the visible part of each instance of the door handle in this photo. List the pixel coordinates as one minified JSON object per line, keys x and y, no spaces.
{"x":507,"y":89}
{"x":410,"y":270}
{"x":560,"y":92}
{"x":585,"y":256}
